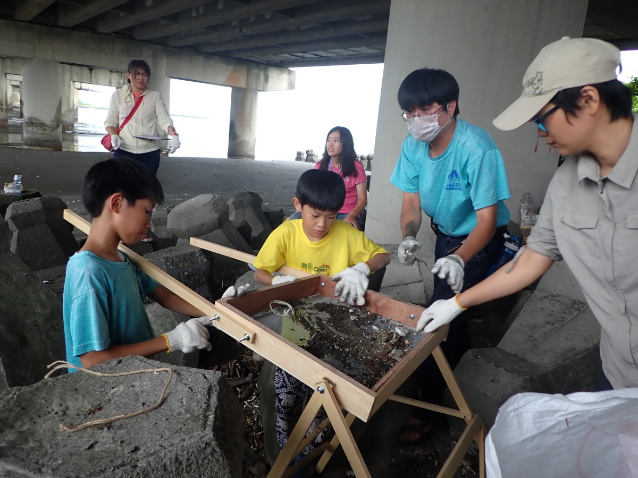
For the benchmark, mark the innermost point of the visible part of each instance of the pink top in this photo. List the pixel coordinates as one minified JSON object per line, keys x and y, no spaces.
{"x":351,"y":184}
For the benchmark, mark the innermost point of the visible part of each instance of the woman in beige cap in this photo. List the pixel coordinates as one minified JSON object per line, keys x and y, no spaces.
{"x":589,"y":217}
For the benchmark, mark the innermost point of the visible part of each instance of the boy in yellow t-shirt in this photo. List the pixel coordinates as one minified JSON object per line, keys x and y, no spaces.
{"x":319,"y":244}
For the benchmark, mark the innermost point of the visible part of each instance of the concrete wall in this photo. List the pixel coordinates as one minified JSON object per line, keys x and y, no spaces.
{"x":487,"y":45}
{"x":106,"y":52}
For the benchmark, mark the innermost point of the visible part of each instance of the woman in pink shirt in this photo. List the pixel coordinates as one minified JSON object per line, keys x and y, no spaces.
{"x":339,"y":157}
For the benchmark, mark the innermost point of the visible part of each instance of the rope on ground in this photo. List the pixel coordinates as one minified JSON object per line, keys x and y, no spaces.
{"x":60,"y":364}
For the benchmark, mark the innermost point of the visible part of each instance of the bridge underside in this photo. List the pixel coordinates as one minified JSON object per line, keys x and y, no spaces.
{"x":284,"y":33}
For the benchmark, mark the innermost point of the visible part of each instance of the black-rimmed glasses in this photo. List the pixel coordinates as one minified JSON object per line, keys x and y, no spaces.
{"x":540,"y":121}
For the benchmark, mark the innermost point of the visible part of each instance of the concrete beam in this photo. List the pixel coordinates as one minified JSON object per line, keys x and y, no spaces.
{"x":114,"y":54}
{"x":332,"y":44}
{"x":336,"y":60}
{"x":70,"y":15}
{"x":26,"y":10}
{"x":328,"y":11}
{"x":143,"y":12}
{"x":626,"y":43}
{"x":340,"y":29}
{"x":210,"y":15}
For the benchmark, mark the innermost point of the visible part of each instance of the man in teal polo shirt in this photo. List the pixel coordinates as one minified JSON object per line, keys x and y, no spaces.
{"x":454,"y":172}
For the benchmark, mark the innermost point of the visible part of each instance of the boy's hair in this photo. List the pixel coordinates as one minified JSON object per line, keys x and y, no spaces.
{"x":427,"y":86}
{"x":119,"y":175}
{"x":134,"y":64}
{"x":348,"y":154}
{"x":321,"y":190}
{"x":614,"y":94}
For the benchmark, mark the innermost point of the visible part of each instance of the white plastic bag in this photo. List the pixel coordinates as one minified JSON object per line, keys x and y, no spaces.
{"x":577,"y":435}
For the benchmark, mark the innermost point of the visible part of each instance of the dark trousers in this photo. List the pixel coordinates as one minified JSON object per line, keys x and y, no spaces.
{"x":151,"y":159}
{"x":430,"y":381}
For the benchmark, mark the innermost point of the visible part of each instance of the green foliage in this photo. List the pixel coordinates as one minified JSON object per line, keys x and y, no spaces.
{"x":633,"y":86}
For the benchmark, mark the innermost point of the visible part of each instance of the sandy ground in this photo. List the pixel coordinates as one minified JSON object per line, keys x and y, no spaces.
{"x":60,"y":173}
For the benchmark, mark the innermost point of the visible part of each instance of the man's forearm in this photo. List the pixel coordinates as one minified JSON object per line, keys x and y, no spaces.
{"x":529,"y":267}
{"x":476,"y":241}
{"x":410,"y":221}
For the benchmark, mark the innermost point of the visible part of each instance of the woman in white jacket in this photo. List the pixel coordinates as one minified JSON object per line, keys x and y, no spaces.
{"x":150,"y":119}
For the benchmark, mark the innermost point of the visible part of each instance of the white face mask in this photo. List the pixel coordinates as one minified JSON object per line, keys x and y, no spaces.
{"x":425,"y":128}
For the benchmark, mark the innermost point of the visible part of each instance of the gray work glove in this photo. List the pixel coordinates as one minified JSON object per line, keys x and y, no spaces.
{"x":353,"y":283}
{"x":407,"y":251}
{"x":450,"y":268}
{"x":189,"y":336}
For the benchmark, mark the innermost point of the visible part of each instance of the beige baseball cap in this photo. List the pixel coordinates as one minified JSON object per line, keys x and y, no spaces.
{"x":566,"y":63}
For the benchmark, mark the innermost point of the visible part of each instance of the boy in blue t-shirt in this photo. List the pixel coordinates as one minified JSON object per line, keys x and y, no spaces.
{"x":104,"y":315}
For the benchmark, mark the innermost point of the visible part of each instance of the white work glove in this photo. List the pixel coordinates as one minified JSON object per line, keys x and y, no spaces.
{"x":232,"y":292}
{"x":440,"y":313}
{"x":450,"y":268}
{"x":189,"y":336}
{"x":407,"y":251}
{"x":116,"y":141}
{"x":353,"y":283}
{"x":173,"y":143}
{"x":283,"y":279}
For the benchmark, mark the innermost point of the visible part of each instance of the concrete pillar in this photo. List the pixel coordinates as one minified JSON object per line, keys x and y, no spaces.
{"x":160,"y":82}
{"x":42,"y":96}
{"x":242,"y":133}
{"x":70,"y":100}
{"x":4,"y":97}
{"x":487,"y":45}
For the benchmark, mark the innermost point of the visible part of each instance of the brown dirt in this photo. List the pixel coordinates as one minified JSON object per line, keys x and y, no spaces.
{"x":359,"y":343}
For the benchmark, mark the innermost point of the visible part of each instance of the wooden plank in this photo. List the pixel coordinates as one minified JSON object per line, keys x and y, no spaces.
{"x":429,"y":406}
{"x":450,"y":379}
{"x":241,"y":256}
{"x":305,"y":461}
{"x":453,"y":461}
{"x":334,"y":446}
{"x":257,"y":301}
{"x":402,"y":312}
{"x":311,"y":436}
{"x":342,"y":430}
{"x":352,"y":396}
{"x":407,"y":366}
{"x":296,"y":436}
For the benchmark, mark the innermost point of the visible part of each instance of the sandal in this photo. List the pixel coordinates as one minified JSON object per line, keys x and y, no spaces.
{"x":417,"y":432}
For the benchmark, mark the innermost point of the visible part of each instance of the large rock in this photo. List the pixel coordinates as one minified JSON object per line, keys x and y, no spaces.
{"x":552,"y":347}
{"x":193,"y":268}
{"x":275,"y":217}
{"x":187,"y":264}
{"x":246,"y":206}
{"x":31,"y":328}
{"x":197,"y":216}
{"x":41,"y":237}
{"x":197,"y":431}
{"x":8,"y":199}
